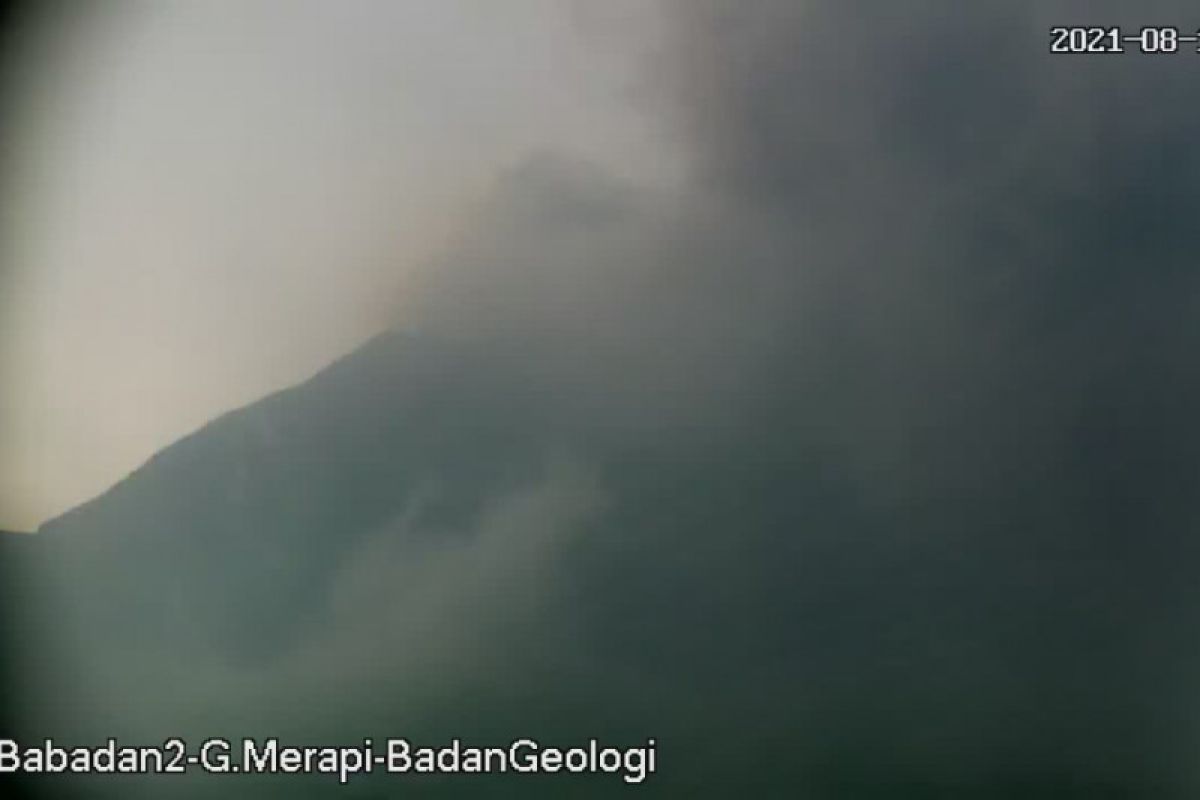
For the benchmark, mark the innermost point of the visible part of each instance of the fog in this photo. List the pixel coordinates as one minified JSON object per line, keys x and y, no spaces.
{"x":206,"y":204}
{"x":808,"y":372}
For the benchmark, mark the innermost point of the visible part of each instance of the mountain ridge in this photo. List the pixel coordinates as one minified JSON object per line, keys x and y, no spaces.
{"x":230,"y":416}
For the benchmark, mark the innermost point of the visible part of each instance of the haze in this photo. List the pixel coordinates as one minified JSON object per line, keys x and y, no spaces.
{"x":209,"y":202}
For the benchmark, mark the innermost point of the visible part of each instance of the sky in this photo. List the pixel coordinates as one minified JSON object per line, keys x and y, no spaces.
{"x":208,"y":203}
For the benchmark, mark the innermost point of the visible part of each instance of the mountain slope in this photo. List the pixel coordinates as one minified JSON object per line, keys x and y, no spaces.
{"x":255,"y":511}
{"x":430,"y":535}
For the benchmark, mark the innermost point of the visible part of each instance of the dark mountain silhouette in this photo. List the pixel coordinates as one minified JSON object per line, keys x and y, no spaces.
{"x":736,"y":596}
{"x":254,"y":511}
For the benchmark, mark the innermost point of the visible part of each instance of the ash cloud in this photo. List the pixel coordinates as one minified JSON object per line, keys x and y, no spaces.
{"x":886,"y":418}
{"x":944,"y":275}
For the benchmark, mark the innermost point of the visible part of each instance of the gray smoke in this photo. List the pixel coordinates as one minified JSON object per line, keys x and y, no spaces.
{"x":869,"y":448}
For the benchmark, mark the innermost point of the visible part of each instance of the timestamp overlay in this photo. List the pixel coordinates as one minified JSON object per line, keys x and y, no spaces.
{"x":1117,"y":40}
